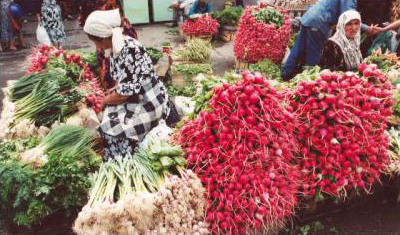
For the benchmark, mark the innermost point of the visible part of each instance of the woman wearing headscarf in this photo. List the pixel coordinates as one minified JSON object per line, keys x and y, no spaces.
{"x":342,"y":51}
{"x":104,"y":5}
{"x":7,"y":35}
{"x":51,"y":19}
{"x":139,"y":99}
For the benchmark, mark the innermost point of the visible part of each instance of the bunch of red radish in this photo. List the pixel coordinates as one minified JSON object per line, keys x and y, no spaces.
{"x":88,"y":82}
{"x":201,"y":26}
{"x":256,"y":41}
{"x":39,"y":58}
{"x":91,"y":88}
{"x":341,"y":131}
{"x":242,"y":152}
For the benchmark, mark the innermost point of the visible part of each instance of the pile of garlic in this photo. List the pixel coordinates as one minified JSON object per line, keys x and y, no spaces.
{"x":177,"y":208}
{"x":180,"y":206}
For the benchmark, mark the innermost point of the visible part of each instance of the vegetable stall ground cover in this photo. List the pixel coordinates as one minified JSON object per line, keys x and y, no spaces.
{"x":263,"y":33}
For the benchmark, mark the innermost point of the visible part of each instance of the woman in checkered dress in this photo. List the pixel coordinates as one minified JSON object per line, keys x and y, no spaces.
{"x":139,"y":100}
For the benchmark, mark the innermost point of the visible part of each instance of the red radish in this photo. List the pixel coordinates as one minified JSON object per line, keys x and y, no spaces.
{"x":255,"y":40}
{"x":250,"y":156}
{"x":345,"y":133}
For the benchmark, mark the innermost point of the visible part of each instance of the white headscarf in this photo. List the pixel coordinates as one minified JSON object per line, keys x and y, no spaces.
{"x":349,"y":47}
{"x":106,"y":24}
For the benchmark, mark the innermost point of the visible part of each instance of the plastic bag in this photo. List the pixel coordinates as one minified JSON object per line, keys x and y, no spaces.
{"x":42,"y":36}
{"x":159,"y":133}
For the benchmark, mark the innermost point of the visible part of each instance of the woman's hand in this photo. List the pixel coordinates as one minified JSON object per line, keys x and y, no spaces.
{"x":113,"y":99}
{"x":111,"y":90}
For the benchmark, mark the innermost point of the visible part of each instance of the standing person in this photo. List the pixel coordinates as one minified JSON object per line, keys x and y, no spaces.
{"x":315,"y":29}
{"x":139,"y":99}
{"x":51,"y":18}
{"x":342,"y":51}
{"x":15,"y":15}
{"x":200,"y":7}
{"x":7,"y":34}
{"x":177,"y":11}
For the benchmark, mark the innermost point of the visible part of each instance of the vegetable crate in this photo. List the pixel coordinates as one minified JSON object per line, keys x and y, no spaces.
{"x":204,"y":37}
{"x":228,"y":35}
{"x":178,"y":60}
{"x":242,"y":65}
{"x":178,"y":79}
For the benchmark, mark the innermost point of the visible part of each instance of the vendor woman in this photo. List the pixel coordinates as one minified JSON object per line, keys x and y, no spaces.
{"x":139,"y":100}
{"x":342,"y":50}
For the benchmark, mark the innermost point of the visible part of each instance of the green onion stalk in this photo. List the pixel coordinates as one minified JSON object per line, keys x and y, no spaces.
{"x":43,"y":97}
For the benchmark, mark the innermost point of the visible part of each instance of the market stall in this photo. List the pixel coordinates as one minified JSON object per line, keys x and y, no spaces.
{"x":251,"y":153}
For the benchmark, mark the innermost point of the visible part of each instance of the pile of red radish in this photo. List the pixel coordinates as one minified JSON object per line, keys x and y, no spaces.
{"x":39,"y":58}
{"x":91,"y":88}
{"x":242,"y":151}
{"x":256,"y":40}
{"x":341,"y":131}
{"x":201,"y":26}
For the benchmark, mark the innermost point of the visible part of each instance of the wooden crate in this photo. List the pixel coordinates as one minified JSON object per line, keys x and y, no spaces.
{"x":177,"y":79}
{"x":242,"y":65}
{"x":228,"y":35}
{"x":207,"y":37}
{"x":394,"y":120}
{"x":178,"y":60}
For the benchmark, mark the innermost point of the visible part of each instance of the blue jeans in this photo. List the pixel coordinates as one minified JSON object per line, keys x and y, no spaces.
{"x":306,"y":51}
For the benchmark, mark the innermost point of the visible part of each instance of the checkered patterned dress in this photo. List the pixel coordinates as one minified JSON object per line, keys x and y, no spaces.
{"x":148,"y":103}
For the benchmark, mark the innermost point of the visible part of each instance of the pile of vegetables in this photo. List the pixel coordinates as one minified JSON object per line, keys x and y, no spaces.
{"x":57,"y":85}
{"x":385,"y":61}
{"x":268,"y":15}
{"x":207,"y":89}
{"x":40,"y":178}
{"x":196,"y":49}
{"x":124,"y":200}
{"x":191,"y":70}
{"x":78,"y":67}
{"x":229,"y":16}
{"x":44,"y":104}
{"x":309,"y":74}
{"x":341,"y":131}
{"x":242,"y":151}
{"x":394,"y":151}
{"x":263,"y":33}
{"x":154,"y":54}
{"x":189,"y":90}
{"x":267,"y":68}
{"x":200,"y":26}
